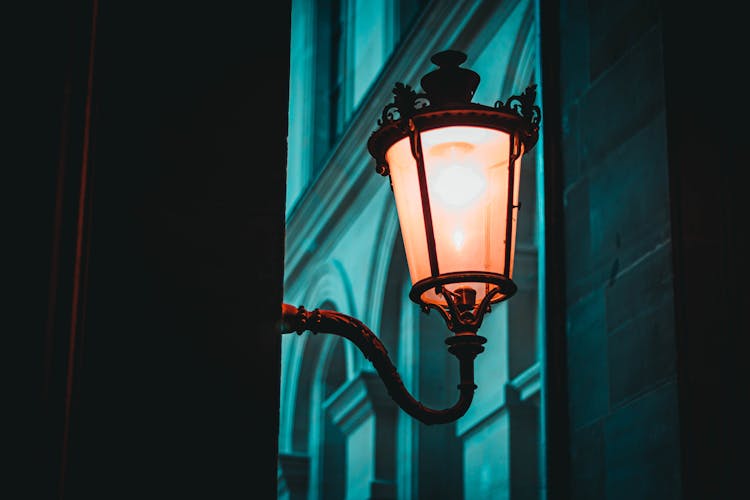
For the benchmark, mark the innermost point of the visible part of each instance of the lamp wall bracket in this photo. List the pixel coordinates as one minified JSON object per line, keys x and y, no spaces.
{"x":464,"y":346}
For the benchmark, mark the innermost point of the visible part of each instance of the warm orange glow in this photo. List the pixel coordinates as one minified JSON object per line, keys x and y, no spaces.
{"x":457,"y":185}
{"x":467,"y":179}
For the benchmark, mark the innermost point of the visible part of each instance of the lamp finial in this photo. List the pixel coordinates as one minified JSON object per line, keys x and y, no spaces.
{"x":450,"y":83}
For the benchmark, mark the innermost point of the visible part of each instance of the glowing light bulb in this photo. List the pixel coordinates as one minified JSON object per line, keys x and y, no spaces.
{"x":458,"y":239}
{"x":458,"y":185}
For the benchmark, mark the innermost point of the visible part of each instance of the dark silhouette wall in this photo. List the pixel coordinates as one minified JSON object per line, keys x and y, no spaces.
{"x":149,"y":183}
{"x":643,"y":204}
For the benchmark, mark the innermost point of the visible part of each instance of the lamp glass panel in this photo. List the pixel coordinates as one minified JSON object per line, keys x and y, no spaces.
{"x":516,"y":206}
{"x":467,"y":180}
{"x":405,"y":183}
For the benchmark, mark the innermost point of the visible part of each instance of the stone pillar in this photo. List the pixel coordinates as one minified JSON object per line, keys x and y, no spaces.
{"x":366,"y":415}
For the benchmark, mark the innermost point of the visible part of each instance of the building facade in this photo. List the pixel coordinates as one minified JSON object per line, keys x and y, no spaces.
{"x":340,"y":435}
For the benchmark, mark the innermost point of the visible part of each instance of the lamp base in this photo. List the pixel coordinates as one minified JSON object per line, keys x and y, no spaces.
{"x":455,"y":296}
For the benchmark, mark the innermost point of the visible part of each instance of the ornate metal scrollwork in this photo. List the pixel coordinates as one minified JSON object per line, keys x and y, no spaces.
{"x":524,"y":107}
{"x":406,"y":103}
{"x":463,"y":316}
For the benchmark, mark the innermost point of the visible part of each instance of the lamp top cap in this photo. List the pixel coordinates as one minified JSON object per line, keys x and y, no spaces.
{"x":450,"y":83}
{"x":448,"y":58}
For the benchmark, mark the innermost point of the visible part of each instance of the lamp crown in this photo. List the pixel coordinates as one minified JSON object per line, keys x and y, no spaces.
{"x":450,"y":83}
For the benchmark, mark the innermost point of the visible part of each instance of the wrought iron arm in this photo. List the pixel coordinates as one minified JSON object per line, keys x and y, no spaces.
{"x":464,"y":347}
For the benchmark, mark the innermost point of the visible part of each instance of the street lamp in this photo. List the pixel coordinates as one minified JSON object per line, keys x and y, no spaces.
{"x":454,"y":168}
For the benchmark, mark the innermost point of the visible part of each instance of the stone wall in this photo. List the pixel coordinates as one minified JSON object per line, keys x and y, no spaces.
{"x":622,"y":387}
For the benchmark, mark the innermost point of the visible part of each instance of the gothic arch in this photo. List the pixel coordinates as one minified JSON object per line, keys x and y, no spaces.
{"x":330,"y":288}
{"x":382,"y":259}
{"x":325,"y":441}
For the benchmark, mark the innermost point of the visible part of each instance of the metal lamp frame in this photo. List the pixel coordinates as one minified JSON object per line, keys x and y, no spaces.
{"x":445,"y":102}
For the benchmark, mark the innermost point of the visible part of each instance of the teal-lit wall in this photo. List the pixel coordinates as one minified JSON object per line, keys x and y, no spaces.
{"x":626,"y":417}
{"x":344,"y":251}
{"x":622,"y":387}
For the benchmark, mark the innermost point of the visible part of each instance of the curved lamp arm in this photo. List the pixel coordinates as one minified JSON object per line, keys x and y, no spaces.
{"x":465,"y":347}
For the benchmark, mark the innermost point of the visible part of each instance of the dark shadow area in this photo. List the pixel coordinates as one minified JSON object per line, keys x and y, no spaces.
{"x":150,"y":200}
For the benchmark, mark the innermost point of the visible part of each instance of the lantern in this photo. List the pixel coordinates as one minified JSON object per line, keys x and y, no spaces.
{"x":454,"y":168}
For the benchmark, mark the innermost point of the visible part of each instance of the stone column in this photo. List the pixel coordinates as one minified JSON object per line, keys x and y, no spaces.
{"x":366,"y":415}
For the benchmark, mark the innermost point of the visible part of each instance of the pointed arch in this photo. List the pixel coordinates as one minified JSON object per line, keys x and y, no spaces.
{"x":302,"y":356}
{"x":382,"y":259}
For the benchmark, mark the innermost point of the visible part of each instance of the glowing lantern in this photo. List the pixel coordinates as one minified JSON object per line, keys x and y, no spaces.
{"x":455,"y":169}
